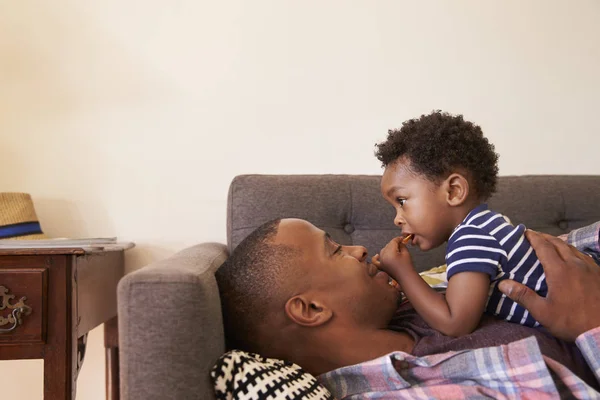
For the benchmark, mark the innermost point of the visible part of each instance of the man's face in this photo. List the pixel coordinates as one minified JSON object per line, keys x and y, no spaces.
{"x":340,"y":275}
{"x":421,"y":206}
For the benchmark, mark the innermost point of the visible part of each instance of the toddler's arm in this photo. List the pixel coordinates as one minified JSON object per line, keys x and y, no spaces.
{"x":455,"y":314}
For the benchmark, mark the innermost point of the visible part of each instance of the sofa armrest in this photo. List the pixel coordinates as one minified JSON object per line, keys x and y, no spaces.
{"x":170,"y":326}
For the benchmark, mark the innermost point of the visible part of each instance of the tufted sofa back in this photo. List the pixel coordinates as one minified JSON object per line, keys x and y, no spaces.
{"x":352,"y":210}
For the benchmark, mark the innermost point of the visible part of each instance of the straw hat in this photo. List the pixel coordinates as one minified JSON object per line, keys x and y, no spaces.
{"x":18,"y":219}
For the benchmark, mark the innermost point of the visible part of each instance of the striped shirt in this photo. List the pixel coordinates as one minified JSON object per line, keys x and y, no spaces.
{"x":517,"y":370}
{"x":487,"y":242}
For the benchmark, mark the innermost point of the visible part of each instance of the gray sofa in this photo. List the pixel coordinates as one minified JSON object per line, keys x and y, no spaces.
{"x":170,"y":326}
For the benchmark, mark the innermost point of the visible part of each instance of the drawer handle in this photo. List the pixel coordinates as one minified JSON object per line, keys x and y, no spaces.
{"x":15,"y":318}
{"x":19,"y":309}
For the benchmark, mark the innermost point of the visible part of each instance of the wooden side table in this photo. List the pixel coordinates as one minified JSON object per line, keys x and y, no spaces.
{"x":49,"y":299}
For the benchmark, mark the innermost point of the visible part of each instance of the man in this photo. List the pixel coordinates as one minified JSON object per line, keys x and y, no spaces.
{"x":290,"y":292}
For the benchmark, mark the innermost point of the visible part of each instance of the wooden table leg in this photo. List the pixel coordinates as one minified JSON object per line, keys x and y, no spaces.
{"x":111,"y":346}
{"x":60,"y":353}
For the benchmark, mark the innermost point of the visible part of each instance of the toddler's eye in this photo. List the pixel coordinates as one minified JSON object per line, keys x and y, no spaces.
{"x":401,"y":201}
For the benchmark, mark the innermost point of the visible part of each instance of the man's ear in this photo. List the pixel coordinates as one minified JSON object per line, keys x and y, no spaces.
{"x":457,"y":189}
{"x":307,"y":311}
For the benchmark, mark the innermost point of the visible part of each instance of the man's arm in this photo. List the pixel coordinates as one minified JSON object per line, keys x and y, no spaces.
{"x":571,"y":309}
{"x":589,"y":344}
{"x":572,"y":306}
{"x":586,"y":240}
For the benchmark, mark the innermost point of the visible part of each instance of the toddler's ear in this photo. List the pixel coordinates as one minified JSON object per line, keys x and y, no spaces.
{"x":457,"y":189}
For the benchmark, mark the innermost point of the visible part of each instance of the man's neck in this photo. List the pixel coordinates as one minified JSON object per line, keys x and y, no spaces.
{"x":331,"y":350}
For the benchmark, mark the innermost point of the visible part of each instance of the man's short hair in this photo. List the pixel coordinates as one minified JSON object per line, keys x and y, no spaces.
{"x":438,"y":144}
{"x":251,"y":285}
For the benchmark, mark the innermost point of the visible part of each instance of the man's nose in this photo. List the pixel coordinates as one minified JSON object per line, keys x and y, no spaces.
{"x":358,"y":252}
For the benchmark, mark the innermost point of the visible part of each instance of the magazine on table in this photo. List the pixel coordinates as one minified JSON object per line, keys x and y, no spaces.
{"x":61,"y":243}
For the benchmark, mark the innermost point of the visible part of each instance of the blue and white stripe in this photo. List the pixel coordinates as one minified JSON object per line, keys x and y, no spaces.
{"x":487,"y":242}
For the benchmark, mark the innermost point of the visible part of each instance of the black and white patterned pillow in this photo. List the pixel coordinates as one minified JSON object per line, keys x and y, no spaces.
{"x":239,"y":375}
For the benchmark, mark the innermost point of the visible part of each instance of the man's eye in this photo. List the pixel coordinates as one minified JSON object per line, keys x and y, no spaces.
{"x":338,"y":250}
{"x":401,"y":201}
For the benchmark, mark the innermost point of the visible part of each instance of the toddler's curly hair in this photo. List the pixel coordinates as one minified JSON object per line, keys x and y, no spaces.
{"x":439,"y":144}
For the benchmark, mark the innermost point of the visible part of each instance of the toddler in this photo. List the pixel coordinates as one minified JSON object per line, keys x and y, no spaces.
{"x":439,"y":172}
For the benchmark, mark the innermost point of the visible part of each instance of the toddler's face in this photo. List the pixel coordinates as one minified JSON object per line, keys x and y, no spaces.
{"x":421,"y":206}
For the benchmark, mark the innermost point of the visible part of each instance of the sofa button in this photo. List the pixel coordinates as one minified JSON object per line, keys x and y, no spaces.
{"x":348,"y":228}
{"x":564,"y":225}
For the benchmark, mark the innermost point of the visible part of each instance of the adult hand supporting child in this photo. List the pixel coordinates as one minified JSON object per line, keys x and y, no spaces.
{"x":572,"y":305}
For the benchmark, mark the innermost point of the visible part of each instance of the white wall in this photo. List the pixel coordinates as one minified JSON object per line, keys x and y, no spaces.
{"x":130,"y":118}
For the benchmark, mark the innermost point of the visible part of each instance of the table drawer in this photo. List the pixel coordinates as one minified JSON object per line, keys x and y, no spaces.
{"x":18,"y":287}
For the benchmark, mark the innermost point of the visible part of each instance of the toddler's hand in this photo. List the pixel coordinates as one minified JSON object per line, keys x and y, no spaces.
{"x":394,"y":257}
{"x":375,"y":261}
